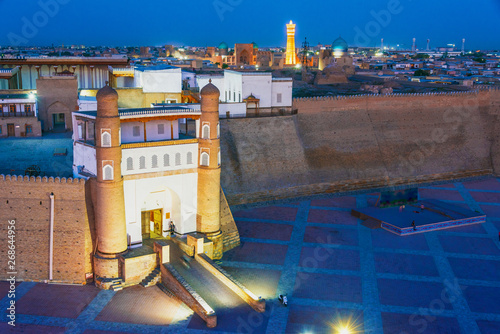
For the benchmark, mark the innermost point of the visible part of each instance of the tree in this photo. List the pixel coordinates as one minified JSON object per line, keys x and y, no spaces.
{"x":224,"y":66}
{"x":421,"y":56}
{"x":421,"y":73}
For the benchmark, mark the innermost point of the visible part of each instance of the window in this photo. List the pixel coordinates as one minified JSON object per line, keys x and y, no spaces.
{"x":0,"y":129}
{"x":136,"y":131}
{"x":91,"y":132}
{"x":206,"y":132}
{"x":142,"y":162}
{"x":218,"y":130}
{"x":130,"y":164}
{"x":239,"y":98}
{"x":161,"y":129}
{"x":154,"y":161}
{"x":234,"y":96}
{"x":218,"y":158}
{"x":107,"y":172}
{"x":189,"y":158}
{"x":205,"y":159}
{"x":12,"y":108}
{"x":177,"y":159}
{"x":27,"y":108}
{"x":226,"y":95}
{"x":278,"y":98}
{"x":29,"y":129}
{"x":105,"y":138}
{"x":166,"y":160}
{"x":80,"y":131}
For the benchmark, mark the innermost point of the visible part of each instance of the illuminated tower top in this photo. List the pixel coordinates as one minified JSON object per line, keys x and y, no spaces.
{"x":291,"y":57}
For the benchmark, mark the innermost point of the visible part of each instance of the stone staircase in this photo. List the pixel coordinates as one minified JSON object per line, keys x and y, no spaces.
{"x":152,"y":279}
{"x":117,"y":284}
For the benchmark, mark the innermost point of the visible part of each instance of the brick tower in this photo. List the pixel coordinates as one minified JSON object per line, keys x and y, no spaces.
{"x":111,"y":234}
{"x":208,"y":221}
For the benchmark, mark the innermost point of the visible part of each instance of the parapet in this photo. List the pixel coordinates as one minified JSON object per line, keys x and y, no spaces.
{"x":39,"y":179}
{"x":396,"y":95}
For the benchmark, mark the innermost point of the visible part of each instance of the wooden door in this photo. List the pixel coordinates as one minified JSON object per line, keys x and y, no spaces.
{"x":11,"y":132}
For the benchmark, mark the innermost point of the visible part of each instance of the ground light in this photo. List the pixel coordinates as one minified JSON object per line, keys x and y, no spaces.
{"x":346,"y":324}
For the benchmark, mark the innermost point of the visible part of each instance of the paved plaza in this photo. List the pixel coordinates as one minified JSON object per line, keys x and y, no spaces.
{"x":333,"y":269}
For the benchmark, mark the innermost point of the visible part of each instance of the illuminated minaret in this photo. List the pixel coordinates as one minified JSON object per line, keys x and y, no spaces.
{"x":291,"y":57}
{"x":209,"y":168}
{"x":428,"y":44}
{"x":463,"y":45}
{"x":414,"y":46}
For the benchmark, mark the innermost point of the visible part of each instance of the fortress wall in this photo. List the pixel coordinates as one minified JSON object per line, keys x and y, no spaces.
{"x":27,"y":201}
{"x":358,"y":143}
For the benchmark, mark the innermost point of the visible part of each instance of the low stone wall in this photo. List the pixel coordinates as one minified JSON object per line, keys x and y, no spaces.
{"x":182,"y":290}
{"x":256,"y":303}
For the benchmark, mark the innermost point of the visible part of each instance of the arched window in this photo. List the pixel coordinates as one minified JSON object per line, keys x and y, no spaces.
{"x":142,"y":162}
{"x":189,"y":158}
{"x":105,"y":139}
{"x":130,"y":164}
{"x":218,"y":158}
{"x":107,"y":172}
{"x":177,"y":159}
{"x":206,"y":132}
{"x":205,"y":159}
{"x":218,"y":130}
{"x":166,"y":160}
{"x":154,"y":161}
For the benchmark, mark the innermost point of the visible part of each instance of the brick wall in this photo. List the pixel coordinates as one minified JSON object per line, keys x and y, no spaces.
{"x":27,"y":201}
{"x":357,"y":143}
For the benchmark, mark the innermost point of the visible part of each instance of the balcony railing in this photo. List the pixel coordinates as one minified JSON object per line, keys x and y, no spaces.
{"x":17,"y":114}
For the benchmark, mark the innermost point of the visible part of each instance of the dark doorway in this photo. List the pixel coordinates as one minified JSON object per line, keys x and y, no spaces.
{"x":58,"y":120}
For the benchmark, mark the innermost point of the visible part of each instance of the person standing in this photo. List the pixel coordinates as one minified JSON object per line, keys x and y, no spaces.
{"x":172,"y":228}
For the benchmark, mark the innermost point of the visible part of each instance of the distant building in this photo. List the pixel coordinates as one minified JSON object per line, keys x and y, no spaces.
{"x":91,"y":72}
{"x":261,"y":93}
{"x":18,"y":115}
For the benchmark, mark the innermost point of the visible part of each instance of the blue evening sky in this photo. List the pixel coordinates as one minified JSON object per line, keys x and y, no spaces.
{"x":208,"y":22}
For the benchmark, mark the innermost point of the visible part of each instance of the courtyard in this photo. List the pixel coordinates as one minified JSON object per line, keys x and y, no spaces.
{"x":336,"y":272}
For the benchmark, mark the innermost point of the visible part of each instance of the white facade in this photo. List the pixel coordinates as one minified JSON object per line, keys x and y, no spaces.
{"x":172,"y":194}
{"x":236,"y":86}
{"x":159,"y":173}
{"x":158,"y":79}
{"x":133,"y":132}
{"x":87,"y":103}
{"x":217,"y":80}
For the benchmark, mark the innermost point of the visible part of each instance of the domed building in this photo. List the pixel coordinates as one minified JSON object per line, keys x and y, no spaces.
{"x":255,"y":46}
{"x":223,"y":49}
{"x":339,"y":47}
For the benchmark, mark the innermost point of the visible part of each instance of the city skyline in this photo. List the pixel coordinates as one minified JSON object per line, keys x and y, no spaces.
{"x":57,"y":22}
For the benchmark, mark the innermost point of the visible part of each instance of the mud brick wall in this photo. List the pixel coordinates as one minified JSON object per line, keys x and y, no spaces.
{"x":344,"y":144}
{"x":27,"y":201}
